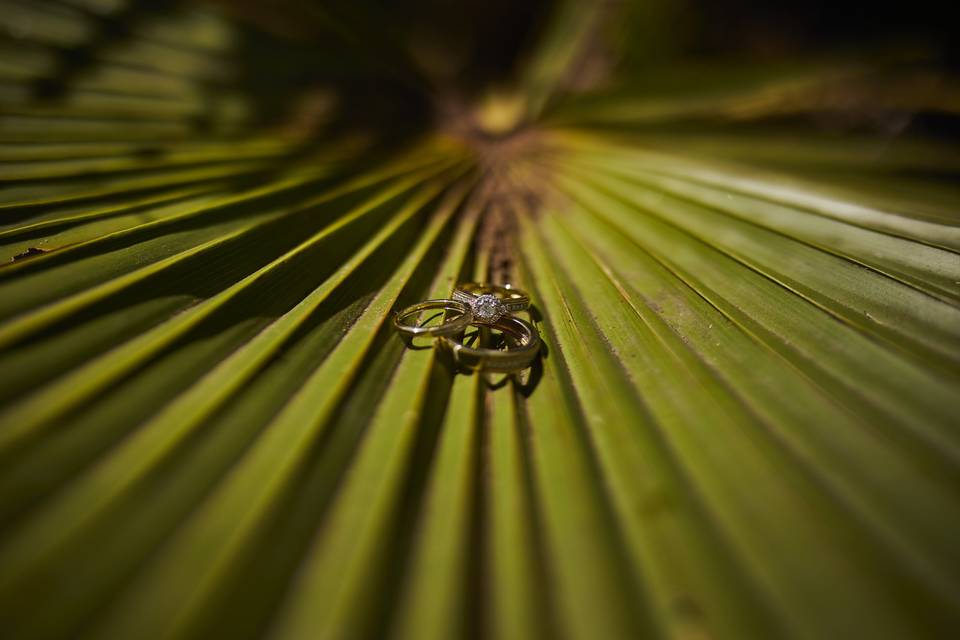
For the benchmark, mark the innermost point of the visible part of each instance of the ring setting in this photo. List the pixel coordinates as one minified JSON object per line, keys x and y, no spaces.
{"x":490,"y":302}
{"x":487,"y":308}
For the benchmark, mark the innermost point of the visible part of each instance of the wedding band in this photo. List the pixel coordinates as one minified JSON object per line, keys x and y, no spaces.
{"x":522,"y":334}
{"x":490,"y":302}
{"x":449,"y":327}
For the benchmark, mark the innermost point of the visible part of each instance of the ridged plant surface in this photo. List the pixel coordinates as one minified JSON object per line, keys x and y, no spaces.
{"x":744,"y":423}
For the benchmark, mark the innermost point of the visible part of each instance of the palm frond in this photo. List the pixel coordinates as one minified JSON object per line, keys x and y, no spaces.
{"x":744,"y":423}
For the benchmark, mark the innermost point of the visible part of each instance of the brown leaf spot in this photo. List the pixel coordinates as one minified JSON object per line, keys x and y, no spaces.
{"x":29,"y":253}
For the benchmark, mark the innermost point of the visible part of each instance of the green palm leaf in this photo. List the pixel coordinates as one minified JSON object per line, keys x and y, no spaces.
{"x":744,"y":423}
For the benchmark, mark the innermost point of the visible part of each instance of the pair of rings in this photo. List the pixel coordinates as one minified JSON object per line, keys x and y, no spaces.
{"x":483,"y":305}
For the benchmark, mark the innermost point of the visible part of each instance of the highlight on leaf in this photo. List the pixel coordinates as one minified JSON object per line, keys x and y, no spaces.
{"x":739,"y":233}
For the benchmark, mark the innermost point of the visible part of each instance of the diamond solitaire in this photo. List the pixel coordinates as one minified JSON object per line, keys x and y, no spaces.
{"x":487,"y":308}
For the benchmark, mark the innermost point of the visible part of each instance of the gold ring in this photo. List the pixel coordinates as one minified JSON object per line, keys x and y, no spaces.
{"x":450,"y":326}
{"x":490,"y":302}
{"x":525,"y":344}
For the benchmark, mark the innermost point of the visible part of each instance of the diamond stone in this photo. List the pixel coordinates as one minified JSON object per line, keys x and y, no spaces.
{"x":488,"y":308}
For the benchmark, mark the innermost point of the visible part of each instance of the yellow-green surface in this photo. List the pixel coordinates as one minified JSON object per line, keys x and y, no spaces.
{"x":745,"y":423}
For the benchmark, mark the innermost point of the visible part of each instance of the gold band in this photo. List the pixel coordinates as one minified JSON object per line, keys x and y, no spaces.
{"x":525,"y":344}
{"x":450,"y":326}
